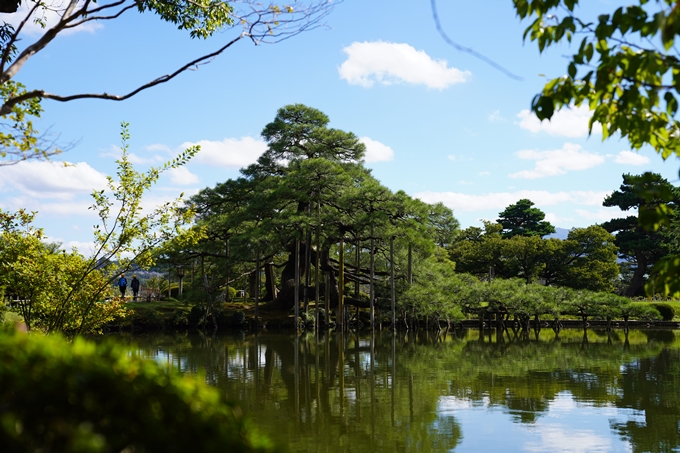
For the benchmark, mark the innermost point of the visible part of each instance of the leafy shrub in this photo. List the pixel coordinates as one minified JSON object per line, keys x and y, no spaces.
{"x":9,"y":320}
{"x":88,"y":398}
{"x":148,"y":318}
{"x":666,"y":311}
{"x":195,"y":315}
{"x":238,"y":318}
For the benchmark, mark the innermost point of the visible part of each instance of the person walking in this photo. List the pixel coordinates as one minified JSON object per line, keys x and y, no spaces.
{"x":134,"y":284}
{"x":122,"y":285}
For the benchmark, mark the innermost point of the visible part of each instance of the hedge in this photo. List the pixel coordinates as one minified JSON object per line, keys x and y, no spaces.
{"x":59,"y":396}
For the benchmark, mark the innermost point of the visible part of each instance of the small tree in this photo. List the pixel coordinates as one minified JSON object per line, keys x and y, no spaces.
{"x":64,"y":291}
{"x":523,"y":219}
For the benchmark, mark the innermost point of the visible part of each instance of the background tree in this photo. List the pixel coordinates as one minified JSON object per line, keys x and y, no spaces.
{"x":523,"y":219}
{"x":641,"y":247}
{"x":587,"y":259}
{"x":310,"y":185}
{"x":626,"y":69}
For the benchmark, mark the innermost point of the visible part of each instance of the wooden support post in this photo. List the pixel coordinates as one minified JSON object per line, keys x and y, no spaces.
{"x":245,"y":282}
{"x":371,"y":295}
{"x":297,"y":283}
{"x":308,"y":266}
{"x":339,"y":317}
{"x":227,"y":296}
{"x":409,"y":276}
{"x":394,"y":297}
{"x":357,"y":294}
{"x":257,"y":287}
{"x":316,"y":280}
{"x":327,"y":298}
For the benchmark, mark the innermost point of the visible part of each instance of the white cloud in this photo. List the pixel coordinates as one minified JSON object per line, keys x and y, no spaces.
{"x":602,"y":214}
{"x":376,"y":151}
{"x":484,"y":173}
{"x":50,"y":16}
{"x":388,"y":63}
{"x":500,"y":200}
{"x":229,"y":153}
{"x":61,"y":208}
{"x":557,"y":162}
{"x":84,"y":248}
{"x":567,"y":122}
{"x":556,"y":220}
{"x":40,"y":179}
{"x":631,"y":158}
{"x":182,"y":176}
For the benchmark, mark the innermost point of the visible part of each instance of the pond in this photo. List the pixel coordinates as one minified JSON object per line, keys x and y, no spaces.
{"x":460,"y":391}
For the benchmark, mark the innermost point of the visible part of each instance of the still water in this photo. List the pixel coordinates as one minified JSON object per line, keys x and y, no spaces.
{"x":462,"y":392}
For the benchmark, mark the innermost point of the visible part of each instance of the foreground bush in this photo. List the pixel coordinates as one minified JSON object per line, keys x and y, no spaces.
{"x":57,"y":396}
{"x":666,"y":311}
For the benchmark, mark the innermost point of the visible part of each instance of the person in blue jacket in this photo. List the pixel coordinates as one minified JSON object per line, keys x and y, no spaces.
{"x":122,"y":285}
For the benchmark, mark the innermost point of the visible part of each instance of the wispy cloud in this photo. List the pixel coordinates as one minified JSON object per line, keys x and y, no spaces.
{"x":499,"y":200}
{"x":601,"y":214}
{"x":496,"y":117}
{"x":557,"y":162}
{"x":388,"y":63}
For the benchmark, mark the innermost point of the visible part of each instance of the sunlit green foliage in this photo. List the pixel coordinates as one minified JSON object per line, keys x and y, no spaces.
{"x":82,"y":397}
{"x":523,"y":219}
{"x":65,"y":291}
{"x":585,"y":260}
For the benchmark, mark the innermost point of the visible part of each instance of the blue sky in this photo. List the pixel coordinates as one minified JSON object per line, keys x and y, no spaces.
{"x":439,"y":124}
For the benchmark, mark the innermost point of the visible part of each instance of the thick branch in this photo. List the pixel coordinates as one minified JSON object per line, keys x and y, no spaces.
{"x":10,"y":103}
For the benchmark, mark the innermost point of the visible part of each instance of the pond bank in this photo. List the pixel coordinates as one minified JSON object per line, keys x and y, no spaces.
{"x":177,"y":315}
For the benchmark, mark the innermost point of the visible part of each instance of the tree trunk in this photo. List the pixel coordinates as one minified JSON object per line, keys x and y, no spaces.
{"x":638,"y":279}
{"x":270,"y":283}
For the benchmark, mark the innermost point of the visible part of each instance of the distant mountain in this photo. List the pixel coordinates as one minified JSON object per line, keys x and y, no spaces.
{"x":560,"y":233}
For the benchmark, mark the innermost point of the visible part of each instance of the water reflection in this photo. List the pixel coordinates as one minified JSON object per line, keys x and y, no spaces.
{"x":462,"y":391}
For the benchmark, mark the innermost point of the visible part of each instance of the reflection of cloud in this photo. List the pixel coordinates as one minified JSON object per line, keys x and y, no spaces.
{"x":376,"y":151}
{"x":500,"y":200}
{"x":388,"y":63}
{"x":557,"y":162}
{"x":41,"y":179}
{"x":556,"y":438}
{"x":567,"y":122}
